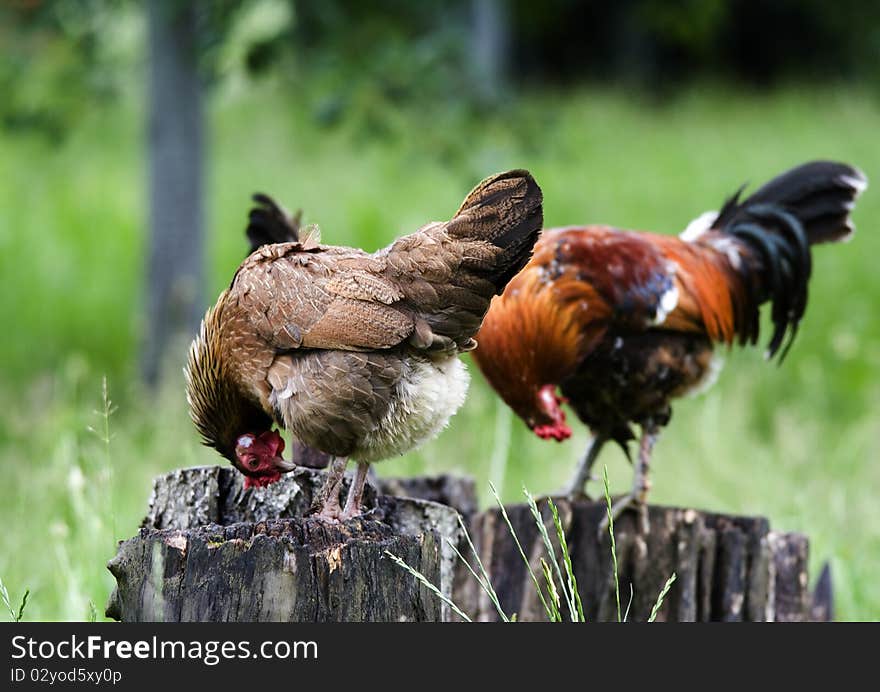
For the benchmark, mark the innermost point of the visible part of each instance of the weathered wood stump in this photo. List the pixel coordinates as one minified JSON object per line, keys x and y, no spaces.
{"x":210,"y":550}
{"x":281,"y":569}
{"x":728,"y":568}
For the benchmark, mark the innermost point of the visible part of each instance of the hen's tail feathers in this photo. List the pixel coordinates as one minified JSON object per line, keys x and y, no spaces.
{"x":808,"y":204}
{"x":505,"y":210}
{"x":268,"y":223}
{"x":450,"y":281}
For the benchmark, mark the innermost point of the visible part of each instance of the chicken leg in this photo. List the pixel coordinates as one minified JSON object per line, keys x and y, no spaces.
{"x":577,"y":485}
{"x":326,"y":505}
{"x":637,"y":498}
{"x":356,"y":492}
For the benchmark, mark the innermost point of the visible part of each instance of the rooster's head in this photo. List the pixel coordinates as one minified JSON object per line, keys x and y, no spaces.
{"x":548,"y":420}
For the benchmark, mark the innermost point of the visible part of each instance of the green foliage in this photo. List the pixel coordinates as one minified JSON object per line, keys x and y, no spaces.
{"x":551,"y":607}
{"x":483,"y":577}
{"x":429,"y":585}
{"x":60,"y":58}
{"x":568,"y":586}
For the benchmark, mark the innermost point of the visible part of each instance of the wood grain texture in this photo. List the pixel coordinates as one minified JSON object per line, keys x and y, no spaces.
{"x":277,"y":570}
{"x":728,"y":568}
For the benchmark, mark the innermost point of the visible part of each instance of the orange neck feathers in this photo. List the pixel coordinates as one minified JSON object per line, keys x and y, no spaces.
{"x":534,"y":335}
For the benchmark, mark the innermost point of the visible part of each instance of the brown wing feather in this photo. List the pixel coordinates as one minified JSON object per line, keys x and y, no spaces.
{"x":319,"y":298}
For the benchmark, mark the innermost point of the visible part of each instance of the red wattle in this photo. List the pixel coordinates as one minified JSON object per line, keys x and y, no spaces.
{"x":556,"y":431}
{"x":261,"y":481}
{"x":551,"y":403}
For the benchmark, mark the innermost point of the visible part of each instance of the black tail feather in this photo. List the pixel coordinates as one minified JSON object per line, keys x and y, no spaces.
{"x":780,"y":221}
{"x":821,"y":194}
{"x":269,"y":223}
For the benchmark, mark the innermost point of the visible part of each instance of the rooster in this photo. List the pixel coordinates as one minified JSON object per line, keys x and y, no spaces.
{"x":355,"y":353}
{"x":623,"y":322}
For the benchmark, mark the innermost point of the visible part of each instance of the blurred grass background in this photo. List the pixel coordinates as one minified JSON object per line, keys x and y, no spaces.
{"x":798,"y":443}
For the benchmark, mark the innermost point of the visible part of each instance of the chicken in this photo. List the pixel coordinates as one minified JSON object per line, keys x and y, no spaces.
{"x":355,"y":353}
{"x":623,"y":322}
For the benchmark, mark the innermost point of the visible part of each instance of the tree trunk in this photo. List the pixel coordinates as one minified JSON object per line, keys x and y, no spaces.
{"x":727,"y":568}
{"x":174,"y":300}
{"x":210,"y":550}
{"x":490,"y":41}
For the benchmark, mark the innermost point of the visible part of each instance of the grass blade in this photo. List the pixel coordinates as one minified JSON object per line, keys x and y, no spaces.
{"x":551,"y":589}
{"x":569,"y":570}
{"x":547,"y":608}
{"x":427,"y":583}
{"x":104,"y":436}
{"x":21,"y":608}
{"x":660,"y":598}
{"x":629,"y":603}
{"x":483,"y":581}
{"x":611,"y":533}
{"x":539,"y":521}
{"x":4,"y":594}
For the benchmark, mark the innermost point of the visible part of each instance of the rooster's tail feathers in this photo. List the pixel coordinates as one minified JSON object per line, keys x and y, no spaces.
{"x":819,"y":194}
{"x":806,"y":205}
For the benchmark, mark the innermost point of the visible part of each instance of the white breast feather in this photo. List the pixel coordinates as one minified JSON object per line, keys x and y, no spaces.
{"x":427,"y":397}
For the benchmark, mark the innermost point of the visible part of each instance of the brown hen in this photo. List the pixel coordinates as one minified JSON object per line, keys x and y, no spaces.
{"x":355,"y":353}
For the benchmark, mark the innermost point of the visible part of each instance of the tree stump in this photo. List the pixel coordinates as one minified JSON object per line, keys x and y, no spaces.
{"x":210,"y":550}
{"x":276,"y":570}
{"x":728,"y":568}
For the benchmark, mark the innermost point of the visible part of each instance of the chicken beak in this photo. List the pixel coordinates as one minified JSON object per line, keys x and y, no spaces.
{"x":283,"y":464}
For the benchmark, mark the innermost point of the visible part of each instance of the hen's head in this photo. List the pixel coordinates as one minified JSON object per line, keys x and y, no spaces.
{"x":259,"y":458}
{"x":227,"y":420}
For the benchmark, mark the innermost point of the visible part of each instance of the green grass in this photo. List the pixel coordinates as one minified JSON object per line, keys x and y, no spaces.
{"x":797,"y":443}
{"x":567,"y":588}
